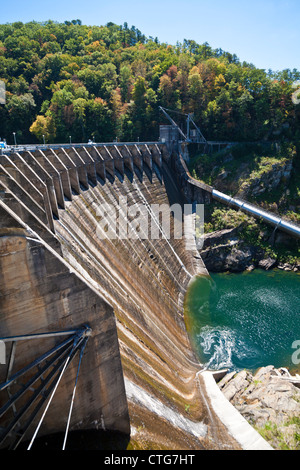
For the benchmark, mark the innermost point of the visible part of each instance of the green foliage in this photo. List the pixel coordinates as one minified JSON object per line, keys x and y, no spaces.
{"x":277,"y":438}
{"x":108,"y":81}
{"x":251,"y":231}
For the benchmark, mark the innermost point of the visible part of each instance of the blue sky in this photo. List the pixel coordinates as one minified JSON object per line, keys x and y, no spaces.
{"x":263,"y":32}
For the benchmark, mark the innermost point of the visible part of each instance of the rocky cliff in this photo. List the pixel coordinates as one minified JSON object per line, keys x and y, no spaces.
{"x":266,"y":176}
{"x":227,"y":250}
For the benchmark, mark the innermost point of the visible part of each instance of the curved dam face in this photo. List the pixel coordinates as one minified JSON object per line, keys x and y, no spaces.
{"x":62,"y":267}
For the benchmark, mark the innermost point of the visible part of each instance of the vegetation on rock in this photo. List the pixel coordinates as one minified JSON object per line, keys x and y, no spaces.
{"x":266,"y":175}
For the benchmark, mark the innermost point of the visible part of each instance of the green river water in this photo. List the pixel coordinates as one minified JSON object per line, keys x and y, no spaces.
{"x":245,"y":321}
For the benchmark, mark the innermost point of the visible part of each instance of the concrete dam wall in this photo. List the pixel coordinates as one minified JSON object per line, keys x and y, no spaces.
{"x":139,"y":374}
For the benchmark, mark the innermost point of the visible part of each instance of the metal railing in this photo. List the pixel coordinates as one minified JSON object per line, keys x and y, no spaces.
{"x":31,"y":148}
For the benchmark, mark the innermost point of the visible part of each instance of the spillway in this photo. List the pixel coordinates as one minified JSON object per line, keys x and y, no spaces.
{"x":139,"y":374}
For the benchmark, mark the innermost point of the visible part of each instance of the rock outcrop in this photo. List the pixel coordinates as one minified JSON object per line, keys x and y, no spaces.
{"x":224,"y":250}
{"x":268,"y":180}
{"x":270,"y":401}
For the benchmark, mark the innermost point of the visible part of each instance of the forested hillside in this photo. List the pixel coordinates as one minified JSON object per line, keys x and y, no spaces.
{"x":107,"y":82}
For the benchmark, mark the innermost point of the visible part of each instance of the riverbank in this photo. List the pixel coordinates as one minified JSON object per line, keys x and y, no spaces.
{"x":227,"y":250}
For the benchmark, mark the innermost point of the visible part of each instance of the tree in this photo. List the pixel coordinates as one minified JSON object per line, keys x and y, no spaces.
{"x":20,"y":110}
{"x":118,"y":111}
{"x":169,"y":92}
{"x":98,"y":121}
{"x":43,"y":128}
{"x":126,"y":82}
{"x":109,"y":81}
{"x":195,"y":91}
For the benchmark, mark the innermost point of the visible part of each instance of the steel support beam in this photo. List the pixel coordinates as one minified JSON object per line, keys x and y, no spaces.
{"x":50,"y":367}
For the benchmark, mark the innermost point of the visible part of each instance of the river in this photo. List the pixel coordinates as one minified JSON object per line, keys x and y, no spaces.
{"x":246,"y":320}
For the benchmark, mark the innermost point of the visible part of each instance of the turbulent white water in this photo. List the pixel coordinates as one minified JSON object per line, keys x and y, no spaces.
{"x":224,"y":347}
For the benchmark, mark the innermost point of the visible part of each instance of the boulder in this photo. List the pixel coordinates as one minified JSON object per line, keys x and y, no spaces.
{"x":228,"y":257}
{"x":267,"y":263}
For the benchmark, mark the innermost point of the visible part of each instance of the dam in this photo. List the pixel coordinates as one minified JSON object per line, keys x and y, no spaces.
{"x":100,"y":316}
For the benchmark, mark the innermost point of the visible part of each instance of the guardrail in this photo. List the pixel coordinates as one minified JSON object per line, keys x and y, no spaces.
{"x":32,"y":148}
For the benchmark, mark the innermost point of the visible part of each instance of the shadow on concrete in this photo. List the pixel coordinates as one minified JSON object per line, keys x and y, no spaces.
{"x":81,"y":440}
